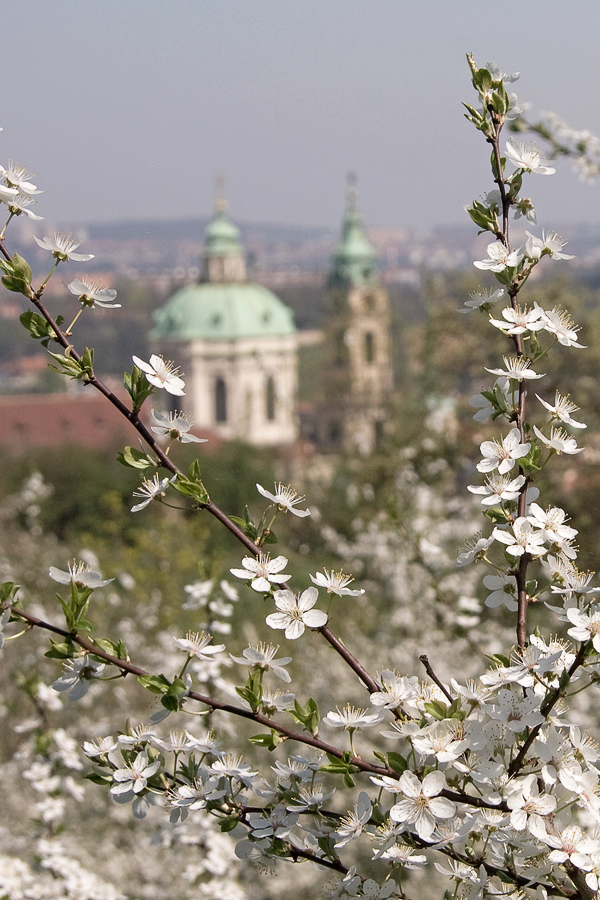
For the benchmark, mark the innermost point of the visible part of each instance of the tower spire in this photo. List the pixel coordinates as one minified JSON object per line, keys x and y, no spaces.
{"x":354,"y":258}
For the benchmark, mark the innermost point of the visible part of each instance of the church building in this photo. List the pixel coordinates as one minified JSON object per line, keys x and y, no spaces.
{"x":358,"y":375}
{"x":236,"y":343}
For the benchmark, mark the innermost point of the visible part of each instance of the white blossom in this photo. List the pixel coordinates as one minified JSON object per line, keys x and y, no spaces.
{"x":161,"y":374}
{"x":285,"y":498}
{"x":62,"y":248}
{"x":174,"y":426}
{"x":422,"y":806}
{"x":262,"y":571}
{"x":91,"y":293}
{"x":500,"y":258}
{"x":296,"y":613}
{"x":335,"y":583}
{"x":528,"y":158}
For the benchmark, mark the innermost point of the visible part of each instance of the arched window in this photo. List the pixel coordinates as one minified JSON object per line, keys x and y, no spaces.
{"x":270,"y":398}
{"x":220,"y":400}
{"x":369,"y":346}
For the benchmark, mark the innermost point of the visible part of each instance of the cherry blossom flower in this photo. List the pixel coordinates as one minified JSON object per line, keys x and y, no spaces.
{"x":91,"y":293}
{"x":504,"y":591}
{"x":498,"y":488}
{"x":161,"y":374}
{"x":422,"y":805}
{"x":524,"y":539}
{"x":352,"y":824}
{"x":502,"y":456}
{"x":77,"y":676}
{"x":403,"y":855}
{"x":149,"y":490}
{"x":559,"y":441}
{"x":79,"y":574}
{"x":516,"y":712}
{"x":549,"y":245}
{"x":17,"y":177}
{"x":7,"y":194}
{"x":562,"y":409}
{"x":527,"y":157}
{"x":474,"y":548}
{"x":231,"y":765}
{"x":571,"y":844}
{"x":134,"y":776}
{"x":99,"y":746}
{"x":285,"y":498}
{"x":311,"y":797}
{"x":175,"y":426}
{"x":351,"y":718}
{"x":517,"y":368}
{"x":500,"y":258}
{"x":198,"y":645}
{"x":483,"y":298}
{"x":335,"y":583}
{"x":19,"y":205}
{"x":262,"y":656}
{"x":560,"y":323}
{"x":296,"y":613}
{"x":62,"y":248}
{"x":395,"y":689}
{"x":551,"y":522}
{"x":529,"y":807}
{"x":518,"y":321}
{"x":277,"y":824}
{"x":585,"y":626}
{"x":262,"y":570}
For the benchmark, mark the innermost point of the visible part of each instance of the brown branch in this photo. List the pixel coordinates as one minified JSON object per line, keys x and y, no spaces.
{"x":424,"y":659}
{"x":352,"y":662}
{"x":545,"y":709}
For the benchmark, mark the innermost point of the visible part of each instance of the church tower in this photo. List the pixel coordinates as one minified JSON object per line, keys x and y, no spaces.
{"x":359,"y":376}
{"x":236,"y":343}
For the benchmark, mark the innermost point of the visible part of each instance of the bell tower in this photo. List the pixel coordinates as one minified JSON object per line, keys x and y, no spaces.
{"x":357,"y":341}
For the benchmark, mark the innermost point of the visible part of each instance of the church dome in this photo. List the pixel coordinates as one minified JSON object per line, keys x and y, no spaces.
{"x":222,"y":312}
{"x":222,"y":237}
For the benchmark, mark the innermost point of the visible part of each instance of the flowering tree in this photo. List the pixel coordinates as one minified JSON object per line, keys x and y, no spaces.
{"x":489,"y":781}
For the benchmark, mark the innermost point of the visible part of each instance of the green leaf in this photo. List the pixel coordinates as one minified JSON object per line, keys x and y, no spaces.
{"x":8,"y":591}
{"x":117,"y":650}
{"x":437,"y":709}
{"x":136,"y":459}
{"x":500,"y":660}
{"x":17,"y":277}
{"x":157,"y":684}
{"x":228,"y":824}
{"x":308,"y":715}
{"x":61,"y":650}
{"x":397,"y":762}
{"x":482,"y":80}
{"x":138,"y":387}
{"x":98,"y":778}
{"x":269,"y":741}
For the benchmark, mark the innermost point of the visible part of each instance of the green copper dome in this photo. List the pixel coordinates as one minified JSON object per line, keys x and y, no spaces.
{"x":222,"y":312}
{"x":354,"y":258}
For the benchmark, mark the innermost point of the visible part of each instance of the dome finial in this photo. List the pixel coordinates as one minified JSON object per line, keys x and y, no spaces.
{"x":351,"y":189}
{"x":221,"y":204}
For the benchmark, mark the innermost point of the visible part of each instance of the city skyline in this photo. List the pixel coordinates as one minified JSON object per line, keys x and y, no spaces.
{"x":128,"y":111}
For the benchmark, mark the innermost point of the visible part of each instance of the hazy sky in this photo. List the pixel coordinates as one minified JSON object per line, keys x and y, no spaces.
{"x":128,"y":108}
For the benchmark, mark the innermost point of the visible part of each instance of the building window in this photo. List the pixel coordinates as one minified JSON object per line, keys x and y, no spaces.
{"x":220,"y":400}
{"x":270,"y":398}
{"x":369,"y":346}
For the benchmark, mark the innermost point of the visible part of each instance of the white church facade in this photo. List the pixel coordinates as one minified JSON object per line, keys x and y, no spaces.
{"x":236,"y":343}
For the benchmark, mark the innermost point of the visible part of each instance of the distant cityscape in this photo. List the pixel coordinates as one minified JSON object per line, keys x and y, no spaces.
{"x":278,"y":254}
